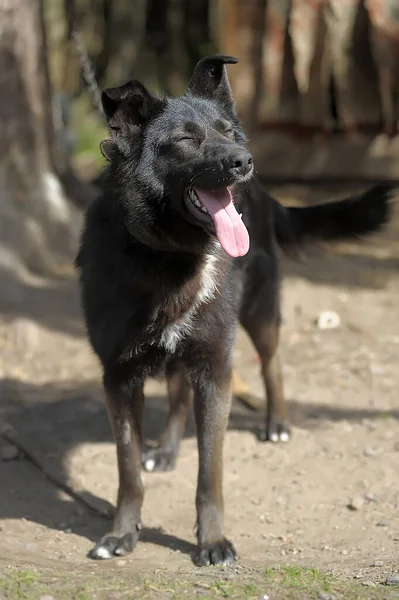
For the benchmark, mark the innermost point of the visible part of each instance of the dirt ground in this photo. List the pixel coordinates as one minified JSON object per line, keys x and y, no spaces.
{"x":286,"y":505}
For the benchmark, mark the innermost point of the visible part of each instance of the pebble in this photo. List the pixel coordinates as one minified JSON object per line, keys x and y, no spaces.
{"x":370,"y":497}
{"x":378,"y":563}
{"x":356,"y":503}
{"x":383,"y":523}
{"x":369,"y":584}
{"x":328,"y":319}
{"x":46,"y":597}
{"x":392,"y":580}
{"x":370,"y":451}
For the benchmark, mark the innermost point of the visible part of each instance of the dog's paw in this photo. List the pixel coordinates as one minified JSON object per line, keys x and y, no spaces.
{"x":159,"y":460}
{"x":111,"y":546}
{"x":221,"y":553}
{"x":276,"y":431}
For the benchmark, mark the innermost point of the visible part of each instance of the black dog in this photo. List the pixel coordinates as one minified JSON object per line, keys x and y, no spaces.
{"x":167,"y":271}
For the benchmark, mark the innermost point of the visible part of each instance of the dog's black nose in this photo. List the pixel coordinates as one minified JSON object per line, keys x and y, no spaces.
{"x":241,"y":163}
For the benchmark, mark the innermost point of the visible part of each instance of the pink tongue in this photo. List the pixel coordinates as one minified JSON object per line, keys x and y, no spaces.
{"x":230,"y":230}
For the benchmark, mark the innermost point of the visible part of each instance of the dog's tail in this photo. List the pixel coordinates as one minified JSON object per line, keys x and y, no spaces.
{"x":347,"y":219}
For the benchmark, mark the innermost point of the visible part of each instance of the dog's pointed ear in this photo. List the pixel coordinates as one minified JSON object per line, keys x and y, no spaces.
{"x":129,"y":104}
{"x":210,"y":80}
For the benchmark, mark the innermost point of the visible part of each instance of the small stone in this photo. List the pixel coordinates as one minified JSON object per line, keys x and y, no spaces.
{"x":369,"y":497}
{"x":328,"y":319}
{"x":370,"y":451}
{"x":344,"y":552}
{"x":383,"y":523}
{"x":9,"y":452}
{"x":369,"y":584}
{"x":392,"y":580}
{"x":378,"y":563}
{"x":356,"y":503}
{"x":46,"y":597}
{"x":326,"y":596}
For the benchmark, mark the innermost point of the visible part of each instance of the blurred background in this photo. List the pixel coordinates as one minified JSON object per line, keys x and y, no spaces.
{"x":316,"y":84}
{"x":317,"y":89}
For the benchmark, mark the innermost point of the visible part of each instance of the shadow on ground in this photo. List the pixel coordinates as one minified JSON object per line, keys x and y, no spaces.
{"x":55,"y":420}
{"x":53,"y":303}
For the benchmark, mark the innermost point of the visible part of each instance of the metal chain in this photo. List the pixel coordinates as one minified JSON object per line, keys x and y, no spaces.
{"x":88,"y":72}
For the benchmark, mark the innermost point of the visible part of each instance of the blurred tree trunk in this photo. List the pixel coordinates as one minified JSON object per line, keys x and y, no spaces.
{"x":38,"y":225}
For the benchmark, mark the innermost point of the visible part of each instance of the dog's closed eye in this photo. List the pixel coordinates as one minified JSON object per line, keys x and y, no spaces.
{"x":184,"y":138}
{"x":225,"y":128}
{"x":229,"y":131}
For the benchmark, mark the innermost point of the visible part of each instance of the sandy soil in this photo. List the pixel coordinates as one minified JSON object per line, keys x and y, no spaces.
{"x":285,"y":504}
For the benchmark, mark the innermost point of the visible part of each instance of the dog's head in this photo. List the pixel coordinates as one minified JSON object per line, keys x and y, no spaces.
{"x":177,"y":161}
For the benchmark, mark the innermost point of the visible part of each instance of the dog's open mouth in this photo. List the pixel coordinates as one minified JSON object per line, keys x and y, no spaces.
{"x":217,"y":207}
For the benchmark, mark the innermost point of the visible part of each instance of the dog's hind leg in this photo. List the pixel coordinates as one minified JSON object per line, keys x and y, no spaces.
{"x":163,"y":458}
{"x":260,"y":317}
{"x":265,"y":339}
{"x":125,"y":406}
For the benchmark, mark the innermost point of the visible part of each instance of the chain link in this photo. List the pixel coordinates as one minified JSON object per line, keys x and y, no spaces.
{"x":88,"y":72}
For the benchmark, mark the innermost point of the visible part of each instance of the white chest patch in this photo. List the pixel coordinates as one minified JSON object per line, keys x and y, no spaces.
{"x":177,"y":331}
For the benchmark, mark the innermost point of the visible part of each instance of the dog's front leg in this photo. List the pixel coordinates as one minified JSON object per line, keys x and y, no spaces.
{"x":125,"y":407}
{"x":212,"y":401}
